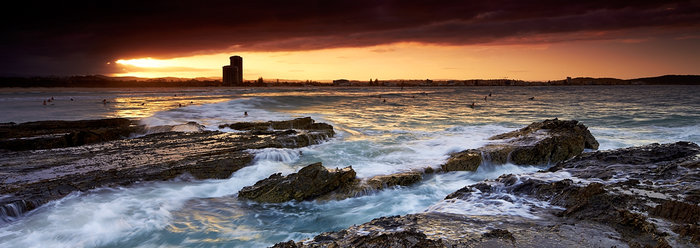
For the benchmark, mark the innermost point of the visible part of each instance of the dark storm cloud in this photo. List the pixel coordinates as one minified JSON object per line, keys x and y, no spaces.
{"x":70,"y":38}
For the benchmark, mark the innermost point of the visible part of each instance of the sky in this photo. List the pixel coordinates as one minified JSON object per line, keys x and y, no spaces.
{"x":360,"y":40}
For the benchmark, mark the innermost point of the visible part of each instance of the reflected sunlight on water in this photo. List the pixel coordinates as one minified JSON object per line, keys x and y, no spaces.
{"x":26,"y":104}
{"x":140,"y":107}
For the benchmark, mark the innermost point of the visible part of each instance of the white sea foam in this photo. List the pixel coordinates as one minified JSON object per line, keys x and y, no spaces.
{"x":109,"y":215}
{"x":278,"y":155}
{"x":613,"y":138}
{"x":419,"y":150}
{"x":495,"y":204}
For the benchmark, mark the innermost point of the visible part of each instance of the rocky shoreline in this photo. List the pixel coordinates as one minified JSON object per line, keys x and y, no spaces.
{"x":544,"y":142}
{"x":47,"y":167}
{"x":643,"y":196}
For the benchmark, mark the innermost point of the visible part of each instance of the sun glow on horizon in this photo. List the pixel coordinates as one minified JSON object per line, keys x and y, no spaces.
{"x":392,"y":61}
{"x":145,"y":62}
{"x":424,"y":61}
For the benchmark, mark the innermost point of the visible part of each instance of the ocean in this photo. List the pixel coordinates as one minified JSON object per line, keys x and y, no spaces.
{"x":379,"y":131}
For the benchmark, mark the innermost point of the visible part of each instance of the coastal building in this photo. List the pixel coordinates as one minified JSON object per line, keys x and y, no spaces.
{"x":233,"y":73}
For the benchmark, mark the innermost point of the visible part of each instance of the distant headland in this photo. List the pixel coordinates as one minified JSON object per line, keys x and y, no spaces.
{"x":100,"y":81}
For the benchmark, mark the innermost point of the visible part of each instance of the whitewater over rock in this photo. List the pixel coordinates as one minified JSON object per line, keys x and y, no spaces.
{"x":540,"y":142}
{"x":643,"y":196}
{"x":29,"y":179}
{"x":549,"y":141}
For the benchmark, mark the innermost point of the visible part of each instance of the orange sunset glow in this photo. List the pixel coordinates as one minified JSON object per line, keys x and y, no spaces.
{"x":606,"y":58}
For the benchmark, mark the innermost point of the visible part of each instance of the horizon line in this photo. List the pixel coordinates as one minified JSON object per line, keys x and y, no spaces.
{"x":331,"y":80}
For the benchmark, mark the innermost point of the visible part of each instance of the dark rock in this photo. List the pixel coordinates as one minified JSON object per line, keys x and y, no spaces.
{"x":398,"y":179}
{"x":449,"y":230}
{"x":315,"y":182}
{"x":305,"y":123}
{"x":689,"y":230}
{"x":305,"y":130}
{"x":407,"y":239}
{"x":543,"y":190}
{"x":187,"y":127}
{"x":602,"y":202}
{"x":649,"y":154}
{"x":544,"y":142}
{"x":500,"y":234}
{"x":508,"y":179}
{"x":548,"y":141}
{"x":467,"y":160}
{"x":554,"y":127}
{"x":465,"y":192}
{"x":55,"y":134}
{"x":594,"y":203}
{"x":655,"y":163}
{"x":677,"y":211}
{"x":693,"y":196}
{"x":288,"y":244}
{"x":386,"y":232}
{"x":311,"y":181}
{"x":396,"y":239}
{"x":29,"y":179}
{"x":360,"y":187}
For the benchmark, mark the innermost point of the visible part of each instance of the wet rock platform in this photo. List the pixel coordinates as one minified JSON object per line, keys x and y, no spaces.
{"x":643,"y":196}
{"x":54,"y":134}
{"x":30,"y":178}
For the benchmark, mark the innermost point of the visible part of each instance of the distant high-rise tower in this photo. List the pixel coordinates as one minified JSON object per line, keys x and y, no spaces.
{"x":233,"y":73}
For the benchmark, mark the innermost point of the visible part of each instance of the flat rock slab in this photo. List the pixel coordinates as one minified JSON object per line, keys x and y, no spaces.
{"x":31,"y":178}
{"x":305,"y":123}
{"x":55,"y":134}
